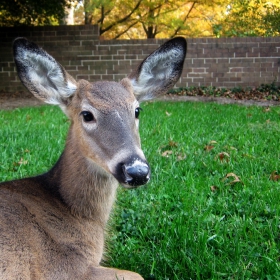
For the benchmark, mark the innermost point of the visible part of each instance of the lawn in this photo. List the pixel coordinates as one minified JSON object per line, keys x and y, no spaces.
{"x":211,"y":210}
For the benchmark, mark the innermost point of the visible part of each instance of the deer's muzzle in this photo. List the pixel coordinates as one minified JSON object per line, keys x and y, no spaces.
{"x":133,"y":173}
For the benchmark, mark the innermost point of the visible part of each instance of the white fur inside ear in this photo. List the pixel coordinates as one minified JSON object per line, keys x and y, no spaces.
{"x":45,"y":77}
{"x":157,"y":74}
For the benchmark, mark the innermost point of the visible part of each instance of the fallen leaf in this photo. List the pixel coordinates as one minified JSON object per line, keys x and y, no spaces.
{"x":167,"y":114}
{"x":181,"y":157}
{"x":214,"y":188}
{"x":22,"y":161}
{"x":208,"y":148}
{"x":235,"y":178}
{"x":167,"y":153}
{"x":274,"y":176}
{"x":232,"y":175}
{"x":172,"y":144}
{"x":266,"y":109}
{"x":223,"y":156}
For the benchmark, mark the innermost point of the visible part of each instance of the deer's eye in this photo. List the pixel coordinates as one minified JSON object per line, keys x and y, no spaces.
{"x":137,"y":112}
{"x":87,"y":116}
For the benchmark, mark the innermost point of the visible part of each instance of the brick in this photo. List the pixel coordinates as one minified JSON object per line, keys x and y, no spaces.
{"x":4,"y":64}
{"x":107,"y":77}
{"x":235,"y":79}
{"x":82,"y":77}
{"x":70,"y":68}
{"x":199,"y":70}
{"x":94,"y":78}
{"x":236,"y":69}
{"x":195,"y":75}
{"x":130,"y":56}
{"x":88,"y":57}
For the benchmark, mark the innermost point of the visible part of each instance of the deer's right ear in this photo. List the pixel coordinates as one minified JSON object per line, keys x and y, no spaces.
{"x":41,"y":74}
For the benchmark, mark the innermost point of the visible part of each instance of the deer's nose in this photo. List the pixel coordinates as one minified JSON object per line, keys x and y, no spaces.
{"x":136,"y":173}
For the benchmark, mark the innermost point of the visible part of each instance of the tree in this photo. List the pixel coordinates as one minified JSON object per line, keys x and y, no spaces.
{"x":148,"y":18}
{"x":30,"y":12}
{"x":172,"y":18}
{"x":109,"y":15}
{"x":271,"y":20}
{"x":164,"y":16}
{"x":249,"y":18}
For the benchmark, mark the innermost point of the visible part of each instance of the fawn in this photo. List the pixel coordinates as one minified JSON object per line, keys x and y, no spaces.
{"x":52,"y":225}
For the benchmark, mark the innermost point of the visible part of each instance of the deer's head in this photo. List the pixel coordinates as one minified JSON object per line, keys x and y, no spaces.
{"x":104,"y":115}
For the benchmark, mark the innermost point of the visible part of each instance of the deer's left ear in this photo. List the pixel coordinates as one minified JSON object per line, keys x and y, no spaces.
{"x":160,"y":70}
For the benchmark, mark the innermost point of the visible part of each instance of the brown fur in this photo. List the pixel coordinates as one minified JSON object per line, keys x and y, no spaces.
{"x":52,"y":225}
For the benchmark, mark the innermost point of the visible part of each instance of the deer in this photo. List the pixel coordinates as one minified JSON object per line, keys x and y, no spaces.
{"x":52,"y":226}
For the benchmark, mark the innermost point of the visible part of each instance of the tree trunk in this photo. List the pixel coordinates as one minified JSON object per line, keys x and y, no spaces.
{"x":150,"y":32}
{"x":88,"y":14}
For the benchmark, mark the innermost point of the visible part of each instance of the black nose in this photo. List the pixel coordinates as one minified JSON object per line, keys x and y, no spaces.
{"x":136,"y":173}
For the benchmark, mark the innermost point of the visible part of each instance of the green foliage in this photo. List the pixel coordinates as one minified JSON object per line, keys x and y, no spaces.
{"x":31,"y":12}
{"x":271,"y":21}
{"x":249,"y":18}
{"x":164,"y":19}
{"x":151,"y":19}
{"x":148,"y":19}
{"x":263,"y":92}
{"x":271,"y":88}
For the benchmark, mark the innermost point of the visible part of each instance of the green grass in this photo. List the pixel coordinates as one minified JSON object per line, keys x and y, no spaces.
{"x":31,"y":140}
{"x":190,"y":221}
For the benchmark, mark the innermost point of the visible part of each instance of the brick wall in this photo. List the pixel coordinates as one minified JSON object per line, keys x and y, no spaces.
{"x":226,"y":62}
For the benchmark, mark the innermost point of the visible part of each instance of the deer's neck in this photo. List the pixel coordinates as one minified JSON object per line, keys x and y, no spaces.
{"x":86,"y":188}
